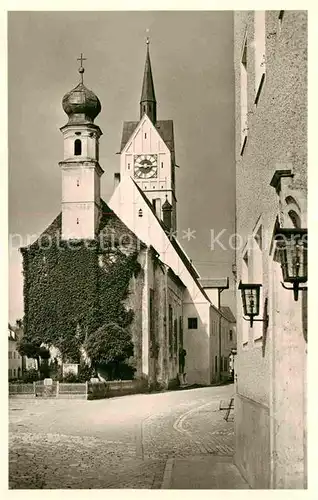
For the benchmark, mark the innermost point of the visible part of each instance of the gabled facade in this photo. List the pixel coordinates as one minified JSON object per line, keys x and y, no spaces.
{"x":148,"y":153}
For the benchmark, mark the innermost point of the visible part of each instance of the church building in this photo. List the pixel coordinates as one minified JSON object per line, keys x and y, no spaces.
{"x":120,"y":262}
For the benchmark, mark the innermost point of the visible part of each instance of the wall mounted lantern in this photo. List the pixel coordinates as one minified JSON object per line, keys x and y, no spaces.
{"x":291,"y":245}
{"x":251,"y":298}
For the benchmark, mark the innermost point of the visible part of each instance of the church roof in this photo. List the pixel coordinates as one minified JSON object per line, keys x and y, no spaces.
{"x":109,"y":225}
{"x":176,"y":245}
{"x":164,"y":128}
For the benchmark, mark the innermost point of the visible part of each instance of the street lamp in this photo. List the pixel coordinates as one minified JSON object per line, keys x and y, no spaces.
{"x":250,"y":293}
{"x":292,"y":251}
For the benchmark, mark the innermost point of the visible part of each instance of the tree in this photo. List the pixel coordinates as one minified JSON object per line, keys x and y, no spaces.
{"x":32,"y":350}
{"x":110,"y":345}
{"x":19,"y":323}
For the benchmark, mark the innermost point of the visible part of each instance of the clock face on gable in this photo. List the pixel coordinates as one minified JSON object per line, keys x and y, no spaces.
{"x":145,"y":166}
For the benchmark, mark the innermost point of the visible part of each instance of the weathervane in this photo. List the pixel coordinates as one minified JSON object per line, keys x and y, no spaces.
{"x":81,"y":68}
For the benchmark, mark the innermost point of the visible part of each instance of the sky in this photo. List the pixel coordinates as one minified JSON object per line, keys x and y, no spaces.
{"x":192,"y":63}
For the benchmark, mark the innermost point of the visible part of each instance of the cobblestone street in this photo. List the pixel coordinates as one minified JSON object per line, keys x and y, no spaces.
{"x":113,"y":443}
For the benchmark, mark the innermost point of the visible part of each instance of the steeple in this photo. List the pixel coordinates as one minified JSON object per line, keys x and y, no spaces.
{"x":148,"y":102}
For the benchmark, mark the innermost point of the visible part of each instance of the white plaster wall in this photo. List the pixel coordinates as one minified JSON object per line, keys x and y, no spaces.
{"x":197,"y":343}
{"x":88,"y":137}
{"x":126,"y":202}
{"x":85,"y":213}
{"x":88,"y":181}
{"x":152,"y":144}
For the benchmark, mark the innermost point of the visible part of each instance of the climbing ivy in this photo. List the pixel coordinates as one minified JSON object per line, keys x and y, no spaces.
{"x":71,"y":292}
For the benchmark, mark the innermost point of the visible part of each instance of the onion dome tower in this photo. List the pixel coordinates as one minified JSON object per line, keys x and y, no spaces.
{"x":81,"y":171}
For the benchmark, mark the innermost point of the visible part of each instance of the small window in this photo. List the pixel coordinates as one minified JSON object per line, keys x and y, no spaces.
{"x":192,"y":323}
{"x":128,"y":166}
{"x":231,"y":335}
{"x":10,"y":355}
{"x":144,"y":109}
{"x":216,"y":363}
{"x":145,"y":135}
{"x":14,"y":372}
{"x":162,"y":164}
{"x":140,"y":213}
{"x":77,"y":147}
{"x":14,"y":355}
{"x":10,"y":372}
{"x":77,"y":182}
{"x":77,"y":221}
{"x":149,"y":108}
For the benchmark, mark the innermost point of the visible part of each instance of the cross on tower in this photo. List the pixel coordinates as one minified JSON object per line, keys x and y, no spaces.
{"x":81,"y":69}
{"x":81,"y":59}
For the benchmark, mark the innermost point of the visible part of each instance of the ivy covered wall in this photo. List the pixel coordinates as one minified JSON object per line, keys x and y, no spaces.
{"x":73,"y":288}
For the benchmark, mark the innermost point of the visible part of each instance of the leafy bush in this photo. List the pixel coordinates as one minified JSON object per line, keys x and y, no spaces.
{"x":110,"y":345}
{"x":85,"y":372}
{"x":30,"y":375}
{"x":71,"y":378}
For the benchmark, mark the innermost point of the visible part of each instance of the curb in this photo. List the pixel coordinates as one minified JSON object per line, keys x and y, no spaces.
{"x":167,"y":476}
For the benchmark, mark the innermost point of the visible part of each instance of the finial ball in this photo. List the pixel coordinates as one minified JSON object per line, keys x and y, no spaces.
{"x":81,"y":69}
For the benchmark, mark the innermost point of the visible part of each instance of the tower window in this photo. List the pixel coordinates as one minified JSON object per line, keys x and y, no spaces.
{"x":144,"y":109}
{"x":145,"y":135}
{"x":128,"y":166}
{"x":77,"y":147}
{"x":140,"y":212}
{"x":162,"y":164}
{"x":77,"y":221}
{"x":231,"y":335}
{"x":77,"y":182}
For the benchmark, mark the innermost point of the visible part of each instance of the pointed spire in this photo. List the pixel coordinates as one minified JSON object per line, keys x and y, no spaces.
{"x":148,"y":102}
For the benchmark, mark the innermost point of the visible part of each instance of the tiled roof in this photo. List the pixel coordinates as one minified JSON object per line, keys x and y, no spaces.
{"x":176,"y":246}
{"x":164,"y":127}
{"x":227,"y":312}
{"x":109,"y":222}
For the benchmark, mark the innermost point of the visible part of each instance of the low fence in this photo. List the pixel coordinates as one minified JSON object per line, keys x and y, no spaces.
{"x":86,"y":390}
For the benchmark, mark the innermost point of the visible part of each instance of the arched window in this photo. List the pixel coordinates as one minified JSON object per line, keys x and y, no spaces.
{"x":294,"y":218}
{"x":77,"y":147}
{"x":294,"y":211}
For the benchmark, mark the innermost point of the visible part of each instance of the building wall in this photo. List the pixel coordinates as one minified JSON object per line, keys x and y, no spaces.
{"x":270,"y":364}
{"x":195,"y":304}
{"x":14,"y":360}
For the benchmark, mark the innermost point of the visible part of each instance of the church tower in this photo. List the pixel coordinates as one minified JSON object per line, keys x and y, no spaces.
{"x":147,"y":152}
{"x":81,"y":171}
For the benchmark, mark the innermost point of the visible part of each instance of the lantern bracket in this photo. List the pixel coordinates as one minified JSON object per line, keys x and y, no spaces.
{"x":296,"y":288}
{"x":251,"y":319}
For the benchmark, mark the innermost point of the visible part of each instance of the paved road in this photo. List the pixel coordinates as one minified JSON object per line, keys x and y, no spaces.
{"x":113,"y":443}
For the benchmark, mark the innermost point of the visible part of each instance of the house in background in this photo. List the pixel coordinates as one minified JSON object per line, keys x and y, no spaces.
{"x":228,"y":341}
{"x":14,"y":358}
{"x":271,"y":193}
